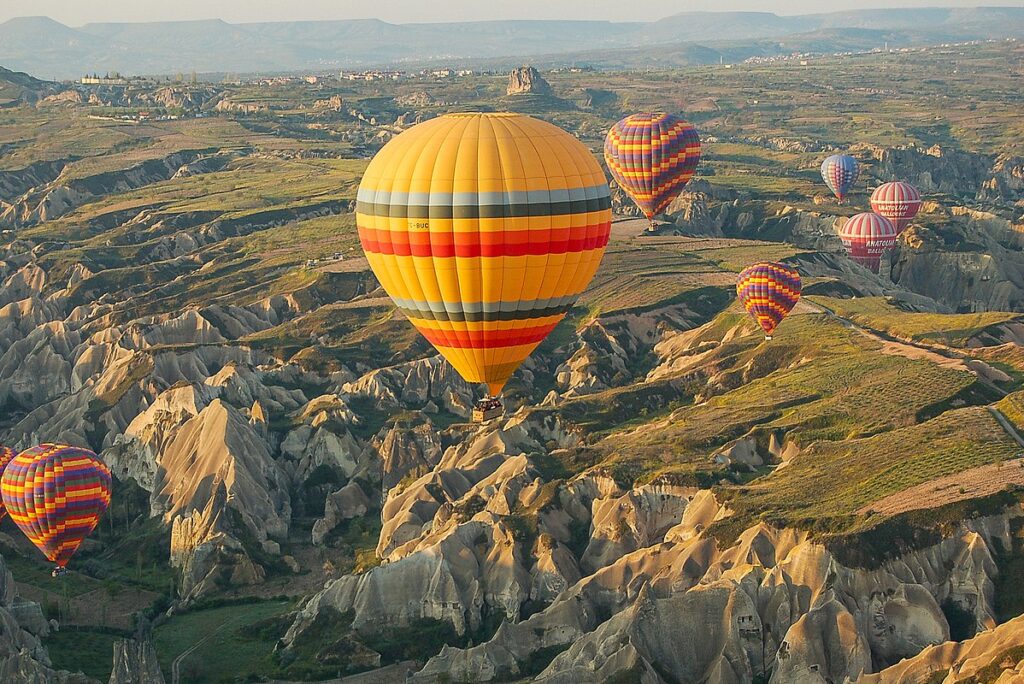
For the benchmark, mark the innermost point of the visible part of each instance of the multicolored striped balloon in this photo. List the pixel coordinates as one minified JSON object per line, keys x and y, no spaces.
{"x":840,"y":172}
{"x":899,"y":202}
{"x":484,"y":229}
{"x":768,"y":291}
{"x":7,"y":454}
{"x":652,"y":156}
{"x":866,"y":237}
{"x":56,"y":495}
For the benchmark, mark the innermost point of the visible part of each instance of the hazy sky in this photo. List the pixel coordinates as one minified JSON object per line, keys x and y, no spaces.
{"x":77,"y":12}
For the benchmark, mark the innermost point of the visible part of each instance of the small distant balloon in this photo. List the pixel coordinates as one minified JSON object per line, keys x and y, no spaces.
{"x":898,"y":201}
{"x":840,"y":172}
{"x":866,"y":237}
{"x":768,"y":291}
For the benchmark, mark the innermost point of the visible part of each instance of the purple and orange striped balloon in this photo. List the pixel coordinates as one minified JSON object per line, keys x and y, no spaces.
{"x":768,"y":291}
{"x":56,"y":495}
{"x":652,"y":156}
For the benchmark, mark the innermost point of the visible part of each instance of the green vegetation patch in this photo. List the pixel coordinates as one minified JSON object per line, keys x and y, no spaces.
{"x":226,"y":648}
{"x":90,"y":651}
{"x":954,"y":330}
{"x":824,"y":487}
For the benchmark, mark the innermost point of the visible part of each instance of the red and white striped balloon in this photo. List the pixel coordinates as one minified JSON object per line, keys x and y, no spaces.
{"x":866,"y":237}
{"x":898,"y":201}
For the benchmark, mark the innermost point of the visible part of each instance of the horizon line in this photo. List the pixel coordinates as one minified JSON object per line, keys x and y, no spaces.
{"x":198,"y":20}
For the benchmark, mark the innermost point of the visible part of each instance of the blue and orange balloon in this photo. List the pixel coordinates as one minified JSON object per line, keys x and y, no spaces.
{"x":768,"y":291}
{"x":840,"y":172}
{"x":652,"y":156}
{"x":56,"y":495}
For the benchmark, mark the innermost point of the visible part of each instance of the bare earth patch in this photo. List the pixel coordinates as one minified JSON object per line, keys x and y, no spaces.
{"x":970,"y":484}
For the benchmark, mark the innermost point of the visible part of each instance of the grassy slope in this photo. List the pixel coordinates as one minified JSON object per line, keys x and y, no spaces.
{"x":949,"y":329}
{"x":226,"y":652}
{"x":80,"y":650}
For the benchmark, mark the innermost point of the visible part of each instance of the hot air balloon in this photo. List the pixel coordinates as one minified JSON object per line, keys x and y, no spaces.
{"x":768,"y":291}
{"x":484,"y":229}
{"x":840,"y":173}
{"x":56,"y":495}
{"x":899,"y":202}
{"x":866,"y":237}
{"x":652,"y":156}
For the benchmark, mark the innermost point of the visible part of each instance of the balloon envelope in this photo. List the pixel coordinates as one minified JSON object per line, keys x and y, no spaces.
{"x":56,"y":495}
{"x":866,"y":237}
{"x":840,"y":173}
{"x":899,"y":202}
{"x":768,"y":291}
{"x":652,"y":156}
{"x":484,"y":229}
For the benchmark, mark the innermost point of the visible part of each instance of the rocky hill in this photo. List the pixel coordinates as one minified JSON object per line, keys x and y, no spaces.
{"x":300,"y":495}
{"x":20,"y":88}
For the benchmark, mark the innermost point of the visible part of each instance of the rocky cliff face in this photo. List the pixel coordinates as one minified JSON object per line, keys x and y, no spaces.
{"x":58,"y":197}
{"x":526,"y":79}
{"x":952,"y":172}
{"x":626,"y":583}
{"x":994,"y":656}
{"x":688,"y":609}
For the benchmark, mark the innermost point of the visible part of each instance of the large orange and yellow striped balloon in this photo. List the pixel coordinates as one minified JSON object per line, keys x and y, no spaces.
{"x":484,"y":229}
{"x":56,"y":495}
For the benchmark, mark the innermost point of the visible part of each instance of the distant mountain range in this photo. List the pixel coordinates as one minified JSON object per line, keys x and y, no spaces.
{"x":49,"y":49}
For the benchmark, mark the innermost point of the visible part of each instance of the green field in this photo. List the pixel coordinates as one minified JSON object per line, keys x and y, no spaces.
{"x":224,"y":648}
{"x":823,"y":488}
{"x":82,"y":650}
{"x":954,"y":330}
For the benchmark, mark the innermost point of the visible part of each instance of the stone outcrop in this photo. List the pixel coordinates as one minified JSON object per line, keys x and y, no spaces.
{"x":939,"y":169}
{"x":59,"y":197}
{"x":992,"y":651}
{"x":135,"y":662}
{"x":526,"y":79}
{"x":345,"y":504}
